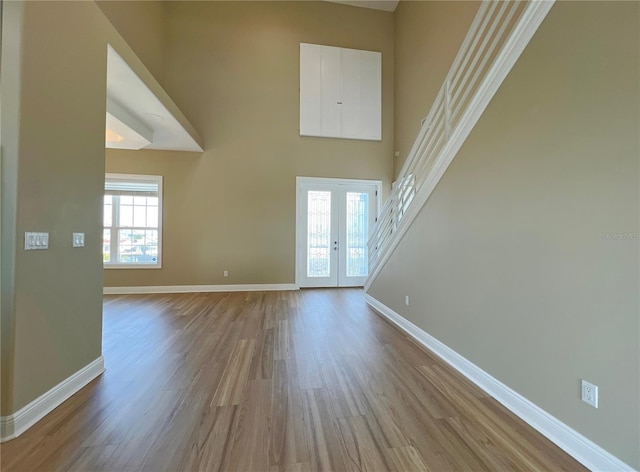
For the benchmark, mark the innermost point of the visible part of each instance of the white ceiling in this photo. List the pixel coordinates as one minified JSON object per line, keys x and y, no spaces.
{"x":142,"y":111}
{"x":385,"y":5}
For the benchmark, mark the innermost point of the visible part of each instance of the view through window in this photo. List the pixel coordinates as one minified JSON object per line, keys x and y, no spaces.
{"x":132,"y":221}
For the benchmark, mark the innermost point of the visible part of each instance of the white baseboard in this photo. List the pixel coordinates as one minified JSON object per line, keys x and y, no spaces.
{"x":573,"y":443}
{"x":197,"y":289}
{"x":14,"y":425}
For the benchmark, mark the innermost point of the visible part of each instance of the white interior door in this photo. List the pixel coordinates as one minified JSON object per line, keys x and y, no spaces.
{"x":335,"y":217}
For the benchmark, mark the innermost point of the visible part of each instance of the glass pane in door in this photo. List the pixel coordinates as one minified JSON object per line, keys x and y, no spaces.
{"x":318,"y":233}
{"x":357,"y":225}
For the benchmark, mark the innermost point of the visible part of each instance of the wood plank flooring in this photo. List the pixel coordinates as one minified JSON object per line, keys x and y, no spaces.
{"x":278,"y":382}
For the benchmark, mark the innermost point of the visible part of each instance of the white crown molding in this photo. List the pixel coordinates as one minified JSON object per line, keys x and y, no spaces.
{"x":197,"y":289}
{"x":566,"y":438}
{"x":14,"y":425}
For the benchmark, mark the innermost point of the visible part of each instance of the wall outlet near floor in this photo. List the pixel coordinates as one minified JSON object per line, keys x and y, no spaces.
{"x":406,"y":300}
{"x":589,"y":393}
{"x":225,"y":273}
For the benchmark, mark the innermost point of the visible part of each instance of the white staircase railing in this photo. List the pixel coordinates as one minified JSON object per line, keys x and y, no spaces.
{"x":498,"y":35}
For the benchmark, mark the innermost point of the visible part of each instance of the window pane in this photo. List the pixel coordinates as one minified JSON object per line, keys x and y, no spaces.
{"x":138,"y":246}
{"x":150,"y":247}
{"x":126,"y":214}
{"x":139,"y":216}
{"x":125,"y":245}
{"x":152,"y":217}
{"x":106,"y":245}
{"x":318,"y":234}
{"x":151,"y":237}
{"x":138,"y":236}
{"x":357,"y":234}
{"x":126,"y":199}
{"x":139,"y":200}
{"x":152,"y":201}
{"x":108,"y":213}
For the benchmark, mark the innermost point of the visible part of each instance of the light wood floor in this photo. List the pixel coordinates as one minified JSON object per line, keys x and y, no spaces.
{"x":274,"y":381}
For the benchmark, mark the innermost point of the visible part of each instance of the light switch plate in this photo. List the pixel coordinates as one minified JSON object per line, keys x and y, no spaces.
{"x":78,"y":239}
{"x":34,"y":241}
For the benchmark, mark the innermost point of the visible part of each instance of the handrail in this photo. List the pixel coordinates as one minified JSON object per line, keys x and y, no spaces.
{"x":498,"y":34}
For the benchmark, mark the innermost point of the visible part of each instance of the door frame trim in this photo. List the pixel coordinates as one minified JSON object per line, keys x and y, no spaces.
{"x":324,"y":180}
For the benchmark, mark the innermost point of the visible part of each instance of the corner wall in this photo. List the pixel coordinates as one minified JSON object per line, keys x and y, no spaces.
{"x":10,"y":73}
{"x":525,"y":260}
{"x":57,"y":162}
{"x":54,"y":58}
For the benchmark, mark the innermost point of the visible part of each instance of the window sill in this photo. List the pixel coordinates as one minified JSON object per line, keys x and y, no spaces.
{"x":132,"y":266}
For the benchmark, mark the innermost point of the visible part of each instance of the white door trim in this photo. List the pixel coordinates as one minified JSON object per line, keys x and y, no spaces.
{"x":301,"y":180}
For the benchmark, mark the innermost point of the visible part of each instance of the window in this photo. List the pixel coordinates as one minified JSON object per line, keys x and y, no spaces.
{"x":132,"y":221}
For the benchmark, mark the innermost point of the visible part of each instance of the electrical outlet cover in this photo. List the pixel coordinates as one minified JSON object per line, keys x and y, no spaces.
{"x":589,"y":393}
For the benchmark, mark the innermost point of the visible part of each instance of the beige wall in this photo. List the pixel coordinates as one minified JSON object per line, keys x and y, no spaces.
{"x":233,"y":69}
{"x":507,"y":263}
{"x":56,"y":157}
{"x":11,"y":44}
{"x":141,"y":24}
{"x":53,"y":88}
{"x":428,"y":35}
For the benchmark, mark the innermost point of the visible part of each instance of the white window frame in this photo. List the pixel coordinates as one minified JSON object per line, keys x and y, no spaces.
{"x":157,"y":179}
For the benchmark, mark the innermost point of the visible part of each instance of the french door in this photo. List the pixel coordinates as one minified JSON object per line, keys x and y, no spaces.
{"x":335,"y":217}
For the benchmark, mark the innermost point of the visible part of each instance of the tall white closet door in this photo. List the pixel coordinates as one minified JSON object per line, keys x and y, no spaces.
{"x":331,"y":102}
{"x":370,"y":82}
{"x":361,"y":94}
{"x":350,"y":93}
{"x":340,"y":92}
{"x":310,"y":89}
